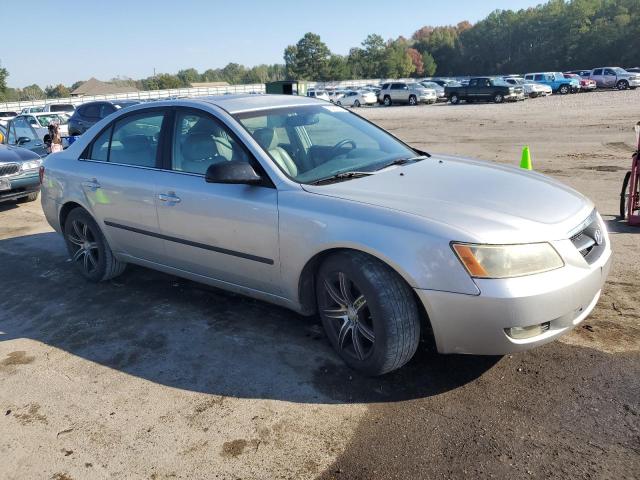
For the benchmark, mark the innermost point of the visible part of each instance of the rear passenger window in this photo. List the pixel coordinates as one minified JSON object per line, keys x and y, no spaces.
{"x":597,"y":71}
{"x":92,"y":110}
{"x":135,"y":139}
{"x":100,"y":147}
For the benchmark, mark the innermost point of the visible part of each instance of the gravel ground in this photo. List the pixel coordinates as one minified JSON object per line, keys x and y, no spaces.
{"x":150,"y":376}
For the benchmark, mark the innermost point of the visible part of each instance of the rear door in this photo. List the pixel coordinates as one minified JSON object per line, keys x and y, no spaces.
{"x":225,"y":232}
{"x":119,"y":175}
{"x":609,"y":78}
{"x":399,"y":92}
{"x":598,"y":77}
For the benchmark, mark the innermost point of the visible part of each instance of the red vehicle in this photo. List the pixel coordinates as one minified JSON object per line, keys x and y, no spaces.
{"x":630,"y":195}
{"x":586,"y":84}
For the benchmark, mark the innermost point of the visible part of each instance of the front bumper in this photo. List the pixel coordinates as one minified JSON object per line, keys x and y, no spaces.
{"x":478,"y":324}
{"x":427,"y":99}
{"x":21,"y":186}
{"x":514,"y":97}
{"x":634,"y":83}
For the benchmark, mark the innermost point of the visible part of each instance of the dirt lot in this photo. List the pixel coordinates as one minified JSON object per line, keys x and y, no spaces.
{"x":150,"y":376}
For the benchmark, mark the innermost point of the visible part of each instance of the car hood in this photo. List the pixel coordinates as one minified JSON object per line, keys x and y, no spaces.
{"x":476,"y":201}
{"x":11,"y":154}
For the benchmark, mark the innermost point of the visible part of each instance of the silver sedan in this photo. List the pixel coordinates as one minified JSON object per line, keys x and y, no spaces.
{"x":306,"y":205}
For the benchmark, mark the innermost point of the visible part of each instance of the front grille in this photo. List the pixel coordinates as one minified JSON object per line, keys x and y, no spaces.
{"x":589,"y":240}
{"x":7,"y":169}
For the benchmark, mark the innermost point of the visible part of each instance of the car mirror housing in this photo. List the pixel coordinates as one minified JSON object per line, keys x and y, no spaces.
{"x":23,"y":140}
{"x":232,"y":172}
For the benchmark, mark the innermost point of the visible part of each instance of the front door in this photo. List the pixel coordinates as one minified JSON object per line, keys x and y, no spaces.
{"x":610,"y":78}
{"x":225,"y":232}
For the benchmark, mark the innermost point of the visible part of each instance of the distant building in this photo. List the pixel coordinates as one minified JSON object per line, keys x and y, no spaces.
{"x":94,"y":86}
{"x":209,"y":84}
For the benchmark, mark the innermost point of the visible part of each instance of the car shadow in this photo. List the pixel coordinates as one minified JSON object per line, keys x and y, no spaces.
{"x":189,"y":336}
{"x":8,"y":205}
{"x":619,"y":225}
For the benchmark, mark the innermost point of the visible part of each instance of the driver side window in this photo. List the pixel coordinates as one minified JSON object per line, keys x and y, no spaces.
{"x":199,"y":141}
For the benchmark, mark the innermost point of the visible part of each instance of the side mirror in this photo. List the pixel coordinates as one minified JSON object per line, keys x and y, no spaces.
{"x":23,"y":140}
{"x":234,"y":172}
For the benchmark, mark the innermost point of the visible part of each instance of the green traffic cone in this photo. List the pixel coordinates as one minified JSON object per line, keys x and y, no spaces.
{"x":525,"y":161}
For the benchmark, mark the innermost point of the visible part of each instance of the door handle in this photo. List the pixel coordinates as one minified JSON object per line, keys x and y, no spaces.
{"x":171,"y":198}
{"x":92,"y":184}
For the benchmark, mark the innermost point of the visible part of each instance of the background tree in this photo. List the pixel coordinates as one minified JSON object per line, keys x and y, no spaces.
{"x":308,"y":59}
{"x":188,"y":76}
{"x":429,"y":64}
{"x":397,"y":62}
{"x":416,"y":60}
{"x":59,"y":91}
{"x":32,"y":92}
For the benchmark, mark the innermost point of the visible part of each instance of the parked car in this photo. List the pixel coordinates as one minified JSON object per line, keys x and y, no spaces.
{"x":40,"y":122}
{"x":88,"y":114}
{"x":6,"y":116}
{"x":633,"y":70}
{"x":615,"y":77}
{"x":531,"y":89}
{"x":60,"y":108}
{"x":31,"y":110}
{"x":485,"y":89}
{"x":357,"y":98}
{"x":19,"y":174}
{"x":315,"y":209}
{"x":411,"y":93}
{"x":582,"y":73}
{"x":586,"y":84}
{"x":439,"y":89}
{"x":556,"y":80}
{"x":20,"y":133}
{"x":319,"y":94}
{"x":335,"y":95}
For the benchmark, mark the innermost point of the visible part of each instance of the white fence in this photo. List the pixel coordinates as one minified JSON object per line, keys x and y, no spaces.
{"x":141,"y":95}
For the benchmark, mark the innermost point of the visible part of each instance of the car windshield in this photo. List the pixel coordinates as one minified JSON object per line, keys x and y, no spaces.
{"x":314,"y":142}
{"x":45,"y":120}
{"x":499,"y":82}
{"x":619,"y":70}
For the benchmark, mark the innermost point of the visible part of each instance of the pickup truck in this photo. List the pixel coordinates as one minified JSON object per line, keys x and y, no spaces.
{"x":484,"y":89}
{"x":556,"y":80}
{"x":615,"y":77}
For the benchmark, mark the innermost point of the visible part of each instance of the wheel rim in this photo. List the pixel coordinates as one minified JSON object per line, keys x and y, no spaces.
{"x":349,"y":317}
{"x":387,"y":101}
{"x":498,"y":98}
{"x":85,"y":249}
{"x":454,"y":99}
{"x":356,"y":103}
{"x":412,"y":101}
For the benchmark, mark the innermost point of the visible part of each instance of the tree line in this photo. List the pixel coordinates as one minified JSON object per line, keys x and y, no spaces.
{"x":558,"y":35}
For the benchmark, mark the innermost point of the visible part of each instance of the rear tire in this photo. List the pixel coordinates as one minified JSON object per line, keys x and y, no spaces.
{"x":369,"y":313}
{"x":498,"y":98}
{"x":32,"y":197}
{"x":413,"y":100}
{"x":88,"y":248}
{"x":386,"y":101}
{"x":564,"y":89}
{"x":356,"y":103}
{"x":455,"y":99}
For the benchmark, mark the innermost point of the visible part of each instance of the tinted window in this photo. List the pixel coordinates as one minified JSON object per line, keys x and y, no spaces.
{"x":384,"y":86}
{"x":200,"y":141}
{"x":100,"y":148}
{"x":62,"y":107}
{"x":597,"y":71}
{"x":608,"y":71}
{"x":473,"y":83}
{"x":135,"y":139}
{"x":106,"y":109}
{"x":92,"y":110}
{"x":538,"y":78}
{"x":398,"y":86}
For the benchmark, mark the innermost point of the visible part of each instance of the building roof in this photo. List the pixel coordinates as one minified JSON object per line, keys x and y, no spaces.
{"x":93,"y":86}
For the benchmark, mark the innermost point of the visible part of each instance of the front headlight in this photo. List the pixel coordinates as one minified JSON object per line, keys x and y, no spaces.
{"x":504,"y":261}
{"x":31,"y":165}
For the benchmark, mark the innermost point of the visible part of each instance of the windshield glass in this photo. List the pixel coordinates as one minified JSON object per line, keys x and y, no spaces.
{"x":499,"y":82}
{"x":619,"y":70}
{"x":318,"y":141}
{"x":45,"y":120}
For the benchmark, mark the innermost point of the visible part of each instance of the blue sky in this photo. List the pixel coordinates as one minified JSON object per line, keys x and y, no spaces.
{"x":130,"y":38}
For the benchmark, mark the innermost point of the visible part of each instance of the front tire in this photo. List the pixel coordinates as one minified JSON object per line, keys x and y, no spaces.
{"x":413,"y":100}
{"x":356,"y":103}
{"x":387,"y":101}
{"x":88,"y":248}
{"x":622,"y":85}
{"x":368,"y":312}
{"x":498,"y":98}
{"x":564,"y":89}
{"x":455,"y":99}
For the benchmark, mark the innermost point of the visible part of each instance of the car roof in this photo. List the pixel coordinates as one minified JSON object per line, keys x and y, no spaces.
{"x":247,"y":102}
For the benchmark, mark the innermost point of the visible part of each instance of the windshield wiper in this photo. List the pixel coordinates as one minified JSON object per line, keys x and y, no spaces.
{"x":342,"y":176}
{"x":402,"y":161}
